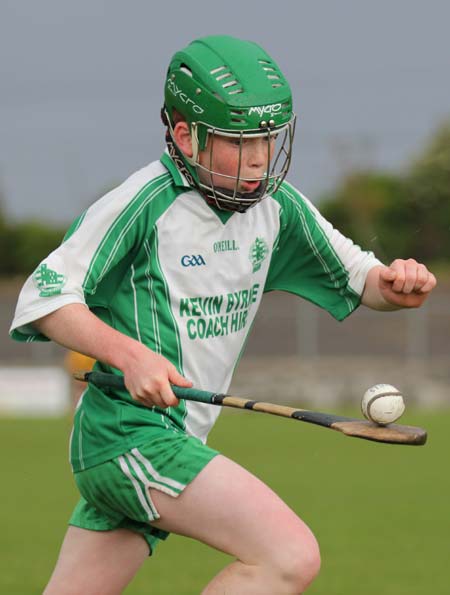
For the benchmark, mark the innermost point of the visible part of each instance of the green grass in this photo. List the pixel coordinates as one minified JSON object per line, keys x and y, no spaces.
{"x":380,"y":512}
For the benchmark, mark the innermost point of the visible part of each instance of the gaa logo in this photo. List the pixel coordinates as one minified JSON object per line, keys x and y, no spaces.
{"x":192,"y":261}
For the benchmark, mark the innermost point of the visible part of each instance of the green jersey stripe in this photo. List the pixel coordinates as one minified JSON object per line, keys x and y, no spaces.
{"x":109,"y":245}
{"x":118,"y":220}
{"x":80,"y":221}
{"x":136,"y":313}
{"x":178,"y":413}
{"x":153,"y":301}
{"x":128,"y":226}
{"x":75,"y":225}
{"x":71,"y":437}
{"x":315,"y":249}
{"x":80,"y":441}
{"x":166,"y":304}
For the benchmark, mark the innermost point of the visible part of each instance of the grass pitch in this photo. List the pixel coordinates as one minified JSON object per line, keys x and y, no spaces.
{"x":380,"y":512}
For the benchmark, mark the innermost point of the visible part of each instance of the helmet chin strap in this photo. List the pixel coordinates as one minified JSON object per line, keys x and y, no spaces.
{"x":232,"y":205}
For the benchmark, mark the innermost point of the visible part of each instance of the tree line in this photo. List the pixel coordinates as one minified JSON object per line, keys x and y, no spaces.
{"x":397,"y":215}
{"x":23,"y":245}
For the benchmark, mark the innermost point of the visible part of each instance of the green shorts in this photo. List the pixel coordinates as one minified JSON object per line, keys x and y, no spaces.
{"x":115,"y":494}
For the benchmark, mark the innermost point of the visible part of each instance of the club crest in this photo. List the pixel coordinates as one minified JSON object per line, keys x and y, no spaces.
{"x":258,"y":252}
{"x":48,"y":281}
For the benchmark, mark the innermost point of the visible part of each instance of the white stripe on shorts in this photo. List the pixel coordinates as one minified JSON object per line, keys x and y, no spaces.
{"x":144,"y":499}
{"x":167,"y":480}
{"x":146,"y":481}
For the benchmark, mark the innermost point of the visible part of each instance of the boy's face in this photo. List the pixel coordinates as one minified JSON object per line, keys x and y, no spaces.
{"x":222,"y":156}
{"x":237,"y":171}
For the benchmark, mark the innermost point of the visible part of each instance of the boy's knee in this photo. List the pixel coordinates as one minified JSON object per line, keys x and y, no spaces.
{"x":299,"y":564}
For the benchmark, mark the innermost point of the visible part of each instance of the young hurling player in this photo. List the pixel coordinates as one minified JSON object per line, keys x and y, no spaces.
{"x":160,"y":281}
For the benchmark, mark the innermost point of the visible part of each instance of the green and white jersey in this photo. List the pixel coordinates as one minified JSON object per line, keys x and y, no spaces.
{"x":153,"y":260}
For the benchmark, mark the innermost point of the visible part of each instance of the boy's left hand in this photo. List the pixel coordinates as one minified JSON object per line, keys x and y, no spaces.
{"x":406,"y":283}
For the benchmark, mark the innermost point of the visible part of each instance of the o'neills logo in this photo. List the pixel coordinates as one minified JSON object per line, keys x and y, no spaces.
{"x":265,"y":110}
{"x":177,"y":92}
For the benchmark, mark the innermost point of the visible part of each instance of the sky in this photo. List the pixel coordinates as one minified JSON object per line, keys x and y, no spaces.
{"x":82,"y":85}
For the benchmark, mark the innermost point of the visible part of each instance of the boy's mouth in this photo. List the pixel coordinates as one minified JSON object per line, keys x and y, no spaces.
{"x":250,"y":186}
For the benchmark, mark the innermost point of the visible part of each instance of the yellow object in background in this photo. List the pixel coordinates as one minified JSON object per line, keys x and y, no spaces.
{"x":74,"y":362}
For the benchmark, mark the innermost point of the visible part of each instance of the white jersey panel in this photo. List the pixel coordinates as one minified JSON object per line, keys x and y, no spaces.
{"x":216,"y":274}
{"x":71,"y":260}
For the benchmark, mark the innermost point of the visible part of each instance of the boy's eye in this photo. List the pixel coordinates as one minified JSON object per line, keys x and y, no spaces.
{"x":237,"y":142}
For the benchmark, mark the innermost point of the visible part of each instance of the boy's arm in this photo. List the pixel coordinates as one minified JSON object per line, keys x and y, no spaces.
{"x":403,"y":284}
{"x":147,"y":374}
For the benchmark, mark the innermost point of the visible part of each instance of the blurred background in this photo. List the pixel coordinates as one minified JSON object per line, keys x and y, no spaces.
{"x":79,"y":111}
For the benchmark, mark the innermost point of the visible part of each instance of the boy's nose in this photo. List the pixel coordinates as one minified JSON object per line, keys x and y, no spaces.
{"x":258,"y":154}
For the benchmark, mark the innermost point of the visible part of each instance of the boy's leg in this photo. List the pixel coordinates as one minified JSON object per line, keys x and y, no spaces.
{"x":97,"y":562}
{"x":226,"y":507}
{"x":230,"y":509}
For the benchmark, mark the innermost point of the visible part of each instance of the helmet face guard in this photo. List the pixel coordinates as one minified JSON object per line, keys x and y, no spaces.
{"x":243,"y":98}
{"x":279,"y":149}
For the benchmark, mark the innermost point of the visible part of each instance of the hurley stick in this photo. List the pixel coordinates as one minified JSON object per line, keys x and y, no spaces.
{"x":358,"y":428}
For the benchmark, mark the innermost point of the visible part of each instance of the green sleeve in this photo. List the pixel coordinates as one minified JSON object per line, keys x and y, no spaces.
{"x":313,"y":260}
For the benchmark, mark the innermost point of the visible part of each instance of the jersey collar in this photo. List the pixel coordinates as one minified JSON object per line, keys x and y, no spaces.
{"x":178,"y":178}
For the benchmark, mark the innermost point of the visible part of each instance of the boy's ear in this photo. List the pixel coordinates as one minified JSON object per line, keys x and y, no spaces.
{"x":182,"y":137}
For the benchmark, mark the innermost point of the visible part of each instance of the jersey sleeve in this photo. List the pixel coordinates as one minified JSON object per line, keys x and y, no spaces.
{"x":100,"y":239}
{"x":315,"y":261}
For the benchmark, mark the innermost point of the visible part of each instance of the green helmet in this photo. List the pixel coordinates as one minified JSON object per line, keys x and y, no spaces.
{"x":223,"y":86}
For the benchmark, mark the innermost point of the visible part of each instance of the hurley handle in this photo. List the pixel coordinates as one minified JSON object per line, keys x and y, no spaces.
{"x":104,"y":380}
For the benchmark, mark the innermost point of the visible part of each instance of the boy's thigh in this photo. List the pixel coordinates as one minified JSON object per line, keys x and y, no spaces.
{"x":97,"y":562}
{"x":227,"y":507}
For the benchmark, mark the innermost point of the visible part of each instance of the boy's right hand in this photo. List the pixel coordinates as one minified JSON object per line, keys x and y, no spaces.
{"x":148,"y":377}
